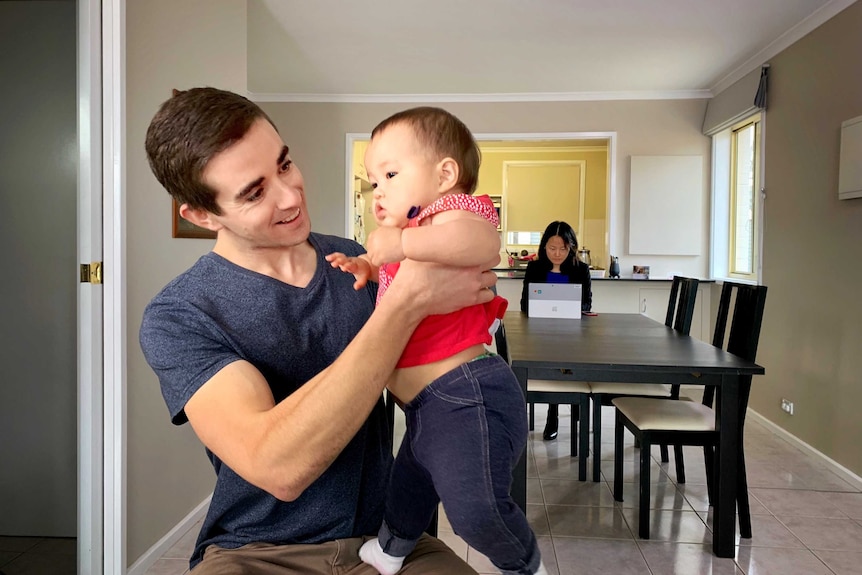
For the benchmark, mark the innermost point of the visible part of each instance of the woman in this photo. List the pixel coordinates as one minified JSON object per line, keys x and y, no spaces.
{"x":557,"y":263}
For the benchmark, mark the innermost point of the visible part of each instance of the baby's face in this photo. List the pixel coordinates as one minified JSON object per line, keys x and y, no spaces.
{"x":402,"y":174}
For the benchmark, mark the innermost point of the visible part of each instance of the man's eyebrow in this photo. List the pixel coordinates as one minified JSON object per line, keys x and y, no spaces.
{"x":252,"y":185}
{"x":248,"y":188}
{"x":283,"y":155}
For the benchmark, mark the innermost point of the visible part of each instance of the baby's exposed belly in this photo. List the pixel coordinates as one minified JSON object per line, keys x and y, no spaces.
{"x":407,"y":382}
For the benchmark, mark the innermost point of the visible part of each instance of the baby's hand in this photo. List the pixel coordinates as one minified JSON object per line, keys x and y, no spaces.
{"x":384,"y":245}
{"x":359,"y":267}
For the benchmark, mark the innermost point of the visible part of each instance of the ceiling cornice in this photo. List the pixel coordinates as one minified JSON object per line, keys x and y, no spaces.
{"x":505,"y":97}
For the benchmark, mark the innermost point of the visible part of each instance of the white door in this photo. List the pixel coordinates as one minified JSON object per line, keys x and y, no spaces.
{"x":564,"y":181}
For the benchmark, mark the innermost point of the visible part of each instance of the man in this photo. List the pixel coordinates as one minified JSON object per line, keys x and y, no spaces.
{"x":273,"y":357}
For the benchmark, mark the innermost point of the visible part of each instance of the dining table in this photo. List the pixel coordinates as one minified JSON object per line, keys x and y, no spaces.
{"x":632,"y":348}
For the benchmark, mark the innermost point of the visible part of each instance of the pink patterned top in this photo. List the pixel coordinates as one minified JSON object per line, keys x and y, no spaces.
{"x":440,"y":336}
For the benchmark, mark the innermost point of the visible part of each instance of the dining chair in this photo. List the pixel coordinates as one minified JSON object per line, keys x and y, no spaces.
{"x":574,"y":393}
{"x":680,"y":313}
{"x":684,"y":422}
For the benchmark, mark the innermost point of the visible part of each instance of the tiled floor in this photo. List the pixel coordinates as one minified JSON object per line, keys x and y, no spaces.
{"x":806,"y":520}
{"x":38,"y":556}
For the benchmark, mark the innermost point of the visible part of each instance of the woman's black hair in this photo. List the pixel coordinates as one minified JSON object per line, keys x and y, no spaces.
{"x":563,"y":230}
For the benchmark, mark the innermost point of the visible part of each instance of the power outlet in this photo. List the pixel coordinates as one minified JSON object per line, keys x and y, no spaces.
{"x":787,"y":406}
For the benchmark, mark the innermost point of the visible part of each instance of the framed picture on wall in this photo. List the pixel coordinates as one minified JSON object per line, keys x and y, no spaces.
{"x":182,"y":228}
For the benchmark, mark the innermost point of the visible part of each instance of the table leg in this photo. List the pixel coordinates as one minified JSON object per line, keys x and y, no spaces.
{"x":519,"y":474}
{"x":726,"y":462}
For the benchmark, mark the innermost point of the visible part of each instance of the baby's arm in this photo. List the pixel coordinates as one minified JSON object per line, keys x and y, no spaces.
{"x":455,"y":237}
{"x":360,"y":266}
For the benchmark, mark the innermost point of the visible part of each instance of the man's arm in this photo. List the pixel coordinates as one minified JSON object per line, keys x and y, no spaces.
{"x":283,"y":448}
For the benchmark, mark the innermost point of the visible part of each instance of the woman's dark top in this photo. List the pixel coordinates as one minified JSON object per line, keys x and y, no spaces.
{"x":576,"y":271}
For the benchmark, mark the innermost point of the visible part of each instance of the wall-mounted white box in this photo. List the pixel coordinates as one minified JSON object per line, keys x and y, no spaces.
{"x":850,"y":166}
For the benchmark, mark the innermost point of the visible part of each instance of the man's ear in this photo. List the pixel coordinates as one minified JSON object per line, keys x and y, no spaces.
{"x":199,"y":217}
{"x":448,"y":171}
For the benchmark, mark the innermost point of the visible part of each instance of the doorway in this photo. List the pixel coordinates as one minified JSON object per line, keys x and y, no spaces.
{"x":594,"y":152}
{"x":38,"y":224}
{"x":51,"y":218}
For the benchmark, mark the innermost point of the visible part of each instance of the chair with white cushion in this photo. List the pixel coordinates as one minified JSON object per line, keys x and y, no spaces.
{"x":679,"y":423}
{"x":680,"y":313}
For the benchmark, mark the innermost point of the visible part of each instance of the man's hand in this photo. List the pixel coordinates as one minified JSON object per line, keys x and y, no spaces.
{"x":432,"y":289}
{"x":384,"y":245}
{"x":359,"y":267}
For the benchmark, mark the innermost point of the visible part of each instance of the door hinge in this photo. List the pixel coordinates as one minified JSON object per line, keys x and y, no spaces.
{"x":91,"y":273}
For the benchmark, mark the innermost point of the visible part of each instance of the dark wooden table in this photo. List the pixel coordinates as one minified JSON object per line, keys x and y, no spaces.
{"x":633,"y":348}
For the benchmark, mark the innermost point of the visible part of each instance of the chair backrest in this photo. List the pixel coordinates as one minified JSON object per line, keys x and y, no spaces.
{"x":746,"y":322}
{"x":683,"y":293}
{"x":502,"y":344}
{"x":744,"y":327}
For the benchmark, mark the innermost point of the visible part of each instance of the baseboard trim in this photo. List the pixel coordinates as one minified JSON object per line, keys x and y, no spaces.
{"x":170,"y":539}
{"x":838,"y":469}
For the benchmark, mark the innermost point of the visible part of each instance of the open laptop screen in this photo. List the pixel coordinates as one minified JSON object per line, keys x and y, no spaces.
{"x":554,"y":300}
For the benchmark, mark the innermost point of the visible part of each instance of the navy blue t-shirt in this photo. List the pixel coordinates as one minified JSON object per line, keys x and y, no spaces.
{"x":217,"y":313}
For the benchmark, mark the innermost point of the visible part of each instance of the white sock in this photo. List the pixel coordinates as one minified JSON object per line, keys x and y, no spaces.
{"x":373,"y":554}
{"x":541,"y":570}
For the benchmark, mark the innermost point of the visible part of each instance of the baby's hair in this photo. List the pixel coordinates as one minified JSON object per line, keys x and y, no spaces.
{"x":443,"y":135}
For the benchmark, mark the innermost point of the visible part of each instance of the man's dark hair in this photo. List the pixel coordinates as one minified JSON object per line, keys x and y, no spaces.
{"x":188,"y":130}
{"x":443,"y":135}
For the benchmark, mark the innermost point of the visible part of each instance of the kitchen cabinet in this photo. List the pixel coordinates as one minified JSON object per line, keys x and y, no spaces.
{"x":498,"y":204}
{"x":359,"y":172}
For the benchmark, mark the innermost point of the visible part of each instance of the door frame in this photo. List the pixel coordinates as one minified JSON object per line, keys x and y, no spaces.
{"x":114,"y":237}
{"x":610,"y":209}
{"x":101,"y":308}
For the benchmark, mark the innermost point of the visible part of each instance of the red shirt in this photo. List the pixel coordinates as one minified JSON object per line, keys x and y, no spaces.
{"x":440,"y":336}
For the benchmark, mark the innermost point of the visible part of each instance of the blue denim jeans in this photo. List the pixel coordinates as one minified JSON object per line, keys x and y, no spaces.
{"x":465,"y":433}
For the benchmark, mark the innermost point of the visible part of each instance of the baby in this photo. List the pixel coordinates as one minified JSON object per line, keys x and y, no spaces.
{"x":464,"y":408}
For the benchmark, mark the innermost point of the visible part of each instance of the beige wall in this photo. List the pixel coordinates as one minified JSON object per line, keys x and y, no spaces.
{"x":316,"y":134}
{"x":812,"y":330}
{"x":169,"y":45}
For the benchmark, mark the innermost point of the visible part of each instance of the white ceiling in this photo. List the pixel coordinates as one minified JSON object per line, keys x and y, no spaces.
{"x":402,"y":50}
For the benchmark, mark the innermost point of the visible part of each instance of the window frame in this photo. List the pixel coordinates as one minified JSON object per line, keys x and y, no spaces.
{"x":720,"y":233}
{"x":735,"y":132}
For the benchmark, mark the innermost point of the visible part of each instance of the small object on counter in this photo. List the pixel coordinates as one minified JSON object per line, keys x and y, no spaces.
{"x":640,"y":272}
{"x":584,"y":256}
{"x":614,"y":271}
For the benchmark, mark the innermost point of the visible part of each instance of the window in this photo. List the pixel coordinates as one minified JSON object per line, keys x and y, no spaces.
{"x":736,"y":200}
{"x":744,"y":188}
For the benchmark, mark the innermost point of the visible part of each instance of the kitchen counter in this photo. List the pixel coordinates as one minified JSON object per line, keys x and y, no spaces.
{"x":624,"y":295}
{"x":518,"y":274}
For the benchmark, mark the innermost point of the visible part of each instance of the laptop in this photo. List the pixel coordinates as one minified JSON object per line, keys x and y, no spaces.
{"x":554,"y":300}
